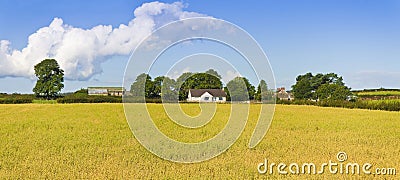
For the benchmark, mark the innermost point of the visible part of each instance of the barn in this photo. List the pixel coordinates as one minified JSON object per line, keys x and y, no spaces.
{"x":106,"y":91}
{"x":206,"y":95}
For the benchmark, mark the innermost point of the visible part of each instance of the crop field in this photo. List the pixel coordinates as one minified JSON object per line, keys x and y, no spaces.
{"x":379,"y":93}
{"x":64,"y":141}
{"x":383,"y":100}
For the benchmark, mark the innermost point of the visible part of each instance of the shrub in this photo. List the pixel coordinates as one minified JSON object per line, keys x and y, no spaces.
{"x":80,"y":98}
{"x":16,"y":99}
{"x":385,"y":105}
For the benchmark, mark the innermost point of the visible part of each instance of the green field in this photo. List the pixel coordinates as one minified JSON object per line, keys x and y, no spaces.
{"x":383,"y":101}
{"x":378,"y":93}
{"x":94,"y":141}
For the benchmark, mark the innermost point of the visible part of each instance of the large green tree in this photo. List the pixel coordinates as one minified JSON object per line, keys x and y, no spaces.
{"x":228,"y":94}
{"x":303,"y":89}
{"x":164,"y":87}
{"x":333,"y":92}
{"x":197,"y":81}
{"x":143,"y":86}
{"x":263,"y":93}
{"x":307,"y":85}
{"x":158,"y":83}
{"x":250,"y":88}
{"x":50,"y":79}
{"x":180,"y":82}
{"x":240,"y":89}
{"x":213,"y":72}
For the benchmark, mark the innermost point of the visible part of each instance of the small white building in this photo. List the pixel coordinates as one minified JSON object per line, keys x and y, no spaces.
{"x":206,"y":95}
{"x":106,"y":91}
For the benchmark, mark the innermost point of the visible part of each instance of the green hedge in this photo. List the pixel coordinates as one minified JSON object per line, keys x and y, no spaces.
{"x":89,"y":99}
{"x":388,"y":105}
{"x":16,"y":99}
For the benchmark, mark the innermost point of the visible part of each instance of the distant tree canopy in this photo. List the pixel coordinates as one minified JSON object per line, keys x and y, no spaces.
{"x":198,"y":81}
{"x":81,"y":91}
{"x":333,"y":91}
{"x":213,"y":72}
{"x":328,"y":86}
{"x":165,"y":88}
{"x":321,"y":86}
{"x":50,"y":79}
{"x":263,"y":93}
{"x":143,"y":86}
{"x":237,"y":89}
{"x":240,"y":89}
{"x":169,"y":89}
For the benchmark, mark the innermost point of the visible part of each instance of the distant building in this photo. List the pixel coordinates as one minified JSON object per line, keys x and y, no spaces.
{"x":206,"y":95}
{"x":282,"y":94}
{"x":106,"y":91}
{"x":281,"y":89}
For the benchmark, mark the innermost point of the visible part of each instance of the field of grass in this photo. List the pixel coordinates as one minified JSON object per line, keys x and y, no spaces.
{"x":383,"y":100}
{"x":65,"y":141}
{"x":41,"y":101}
{"x":379,"y":93}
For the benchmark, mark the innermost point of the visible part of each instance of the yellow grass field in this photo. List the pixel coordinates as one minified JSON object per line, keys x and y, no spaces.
{"x":379,"y":93}
{"x":64,"y":141}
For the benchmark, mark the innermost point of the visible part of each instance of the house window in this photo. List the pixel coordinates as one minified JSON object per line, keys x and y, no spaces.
{"x":220,"y":98}
{"x":206,"y":98}
{"x":214,"y":98}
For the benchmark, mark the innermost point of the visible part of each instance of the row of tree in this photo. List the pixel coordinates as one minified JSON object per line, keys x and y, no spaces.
{"x":51,"y":77}
{"x":238,"y":89}
{"x":328,"y":88}
{"x":308,"y":86}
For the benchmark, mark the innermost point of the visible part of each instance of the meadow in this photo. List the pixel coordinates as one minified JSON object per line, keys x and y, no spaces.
{"x":378,"y":93}
{"x":64,"y":141}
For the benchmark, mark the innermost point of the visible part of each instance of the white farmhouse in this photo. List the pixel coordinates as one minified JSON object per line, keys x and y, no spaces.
{"x":206,"y":95}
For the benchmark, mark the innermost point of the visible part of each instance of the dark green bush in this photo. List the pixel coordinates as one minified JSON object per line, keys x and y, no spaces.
{"x":153,"y":100}
{"x":16,"y":99}
{"x":385,"y":105}
{"x":79,"y":98}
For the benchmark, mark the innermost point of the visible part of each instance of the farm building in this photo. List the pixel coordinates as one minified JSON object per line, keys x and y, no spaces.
{"x":106,"y":91}
{"x":206,"y":95}
{"x":282,"y":94}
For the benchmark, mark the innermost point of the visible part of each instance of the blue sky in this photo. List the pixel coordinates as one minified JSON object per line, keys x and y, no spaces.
{"x":358,"y":39}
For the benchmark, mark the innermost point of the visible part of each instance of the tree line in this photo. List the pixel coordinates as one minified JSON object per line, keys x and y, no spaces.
{"x":320,"y":89}
{"x":51,"y":81}
{"x":238,"y":89}
{"x":328,"y":86}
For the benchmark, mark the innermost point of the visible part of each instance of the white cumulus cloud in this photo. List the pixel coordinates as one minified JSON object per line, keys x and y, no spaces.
{"x":80,"y":52}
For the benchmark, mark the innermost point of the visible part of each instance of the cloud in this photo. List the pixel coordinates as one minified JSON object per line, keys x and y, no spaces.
{"x":80,"y":52}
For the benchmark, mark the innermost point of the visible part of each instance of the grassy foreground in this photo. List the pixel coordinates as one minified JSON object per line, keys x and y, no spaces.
{"x":94,"y":141}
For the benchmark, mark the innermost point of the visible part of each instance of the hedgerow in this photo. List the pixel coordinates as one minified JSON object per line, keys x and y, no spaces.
{"x":386,"y":105}
{"x":16,"y":99}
